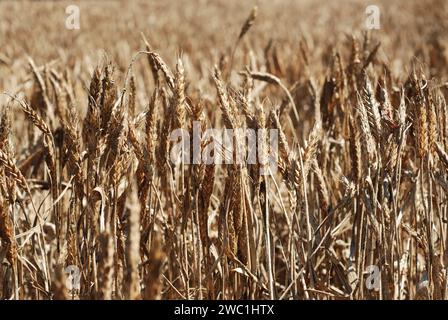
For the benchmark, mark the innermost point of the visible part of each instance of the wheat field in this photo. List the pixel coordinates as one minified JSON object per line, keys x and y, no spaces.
{"x":92,"y":205}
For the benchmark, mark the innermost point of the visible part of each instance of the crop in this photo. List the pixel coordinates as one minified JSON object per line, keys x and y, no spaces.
{"x":356,"y":208}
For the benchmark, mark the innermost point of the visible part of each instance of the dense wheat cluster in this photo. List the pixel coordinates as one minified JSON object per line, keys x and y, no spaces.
{"x":358,"y":208}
